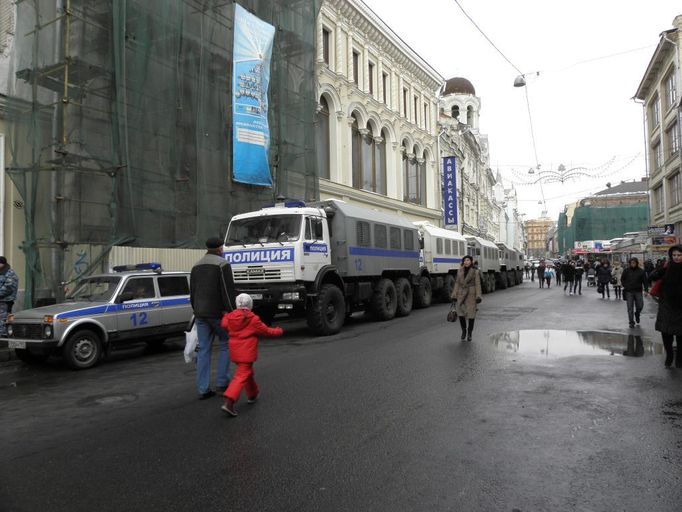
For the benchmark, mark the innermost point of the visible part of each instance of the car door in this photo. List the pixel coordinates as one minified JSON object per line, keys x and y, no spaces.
{"x":176,"y":310}
{"x":139,"y":311}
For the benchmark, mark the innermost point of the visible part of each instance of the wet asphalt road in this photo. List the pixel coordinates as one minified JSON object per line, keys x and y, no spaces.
{"x":394,"y":416}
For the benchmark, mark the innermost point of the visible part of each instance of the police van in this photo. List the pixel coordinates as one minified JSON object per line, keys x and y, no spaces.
{"x":133,"y":303}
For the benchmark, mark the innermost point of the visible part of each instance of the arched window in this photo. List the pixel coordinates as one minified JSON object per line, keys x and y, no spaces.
{"x":470,"y":115}
{"x":454,"y":112}
{"x":322,"y":139}
{"x":421,"y":178}
{"x":414,"y":172}
{"x":369,"y":160}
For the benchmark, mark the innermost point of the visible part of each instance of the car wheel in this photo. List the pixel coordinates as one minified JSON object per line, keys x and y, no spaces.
{"x":82,"y":350}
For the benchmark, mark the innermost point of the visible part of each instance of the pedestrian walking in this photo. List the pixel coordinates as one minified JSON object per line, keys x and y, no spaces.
{"x":244,"y":327}
{"x":549,"y":275}
{"x":541,"y":273}
{"x":648,"y":270}
{"x":558,"y":271}
{"x":211,"y":294}
{"x":533,"y":271}
{"x":526,"y":270}
{"x":669,"y":316}
{"x":616,"y":274}
{"x":603,"y":274}
{"x":633,"y":280}
{"x":578,"y":277}
{"x":9,"y":284}
{"x":467,"y":295}
{"x":568,"y":270}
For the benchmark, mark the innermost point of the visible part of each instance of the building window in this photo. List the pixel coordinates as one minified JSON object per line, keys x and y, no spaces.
{"x":657,"y":153}
{"x":670,"y":89}
{"x":326,"y":34}
{"x":370,"y":70}
{"x":658,"y":199}
{"x":414,"y":180}
{"x":673,"y":136}
{"x":470,"y":116}
{"x":322,"y":139}
{"x":415,"y":112}
{"x":356,"y":68}
{"x":454,"y":112}
{"x":369,"y":161}
{"x":655,"y":111}
{"x":384,"y":84}
{"x":404,"y":102}
{"x":426,"y":116}
{"x":675,"y":188}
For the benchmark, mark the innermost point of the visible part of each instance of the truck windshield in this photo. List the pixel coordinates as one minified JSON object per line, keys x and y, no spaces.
{"x":261,"y":230}
{"x":98,"y":289}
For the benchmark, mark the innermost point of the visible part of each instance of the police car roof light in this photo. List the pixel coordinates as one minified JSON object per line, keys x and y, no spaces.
{"x":294,"y":204}
{"x":156,"y":267}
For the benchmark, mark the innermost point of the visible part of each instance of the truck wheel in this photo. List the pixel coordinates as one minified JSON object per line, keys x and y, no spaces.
{"x":29,"y":357}
{"x":448,"y":286}
{"x":82,"y":350}
{"x":423,"y":293}
{"x":501,"y":280}
{"x":384,"y":300}
{"x":510,"y":279}
{"x":405,"y":298}
{"x":327,"y":311}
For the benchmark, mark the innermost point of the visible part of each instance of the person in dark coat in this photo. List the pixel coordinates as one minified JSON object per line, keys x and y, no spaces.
{"x":604,"y":278}
{"x":467,"y":295}
{"x":634,"y":281}
{"x":568,"y":270}
{"x":669,"y":317}
{"x":541,"y":273}
{"x":211,"y":294}
{"x":9,"y":285}
{"x":578,"y":278}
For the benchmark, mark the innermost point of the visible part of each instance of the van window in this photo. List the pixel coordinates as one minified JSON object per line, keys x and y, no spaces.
{"x":313,"y":228}
{"x":173,"y":285}
{"x":362,"y":232}
{"x":447,"y":247}
{"x":395,"y":238}
{"x":409,"y":241}
{"x":380,"y":237}
{"x":439,"y":245}
{"x":141,"y":288}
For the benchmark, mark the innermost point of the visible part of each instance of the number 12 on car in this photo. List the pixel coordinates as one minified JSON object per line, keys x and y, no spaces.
{"x":138,"y":319}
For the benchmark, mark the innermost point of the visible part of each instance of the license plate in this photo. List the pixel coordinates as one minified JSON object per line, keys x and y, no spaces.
{"x":257,"y":296}
{"x":16,"y":344}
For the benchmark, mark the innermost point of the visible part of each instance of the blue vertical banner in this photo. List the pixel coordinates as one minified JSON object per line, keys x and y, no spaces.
{"x":449,"y":192}
{"x":253,"y":40}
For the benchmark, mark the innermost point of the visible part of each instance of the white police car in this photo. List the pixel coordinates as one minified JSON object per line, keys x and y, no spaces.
{"x":135,"y":303}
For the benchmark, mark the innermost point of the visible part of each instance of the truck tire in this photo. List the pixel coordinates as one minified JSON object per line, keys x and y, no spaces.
{"x":510,"y":278}
{"x":327,"y":311}
{"x":384,"y":300}
{"x":28,"y":357}
{"x":423,"y":293}
{"x":405,"y":297}
{"x":82,"y":350}
{"x":448,"y":286}
{"x":501,"y":280}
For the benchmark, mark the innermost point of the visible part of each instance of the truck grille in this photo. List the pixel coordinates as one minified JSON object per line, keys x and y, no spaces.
{"x":259,"y":273}
{"x":27,"y":331}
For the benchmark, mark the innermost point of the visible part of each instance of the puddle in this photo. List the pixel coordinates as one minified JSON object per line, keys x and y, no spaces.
{"x":555,"y":343}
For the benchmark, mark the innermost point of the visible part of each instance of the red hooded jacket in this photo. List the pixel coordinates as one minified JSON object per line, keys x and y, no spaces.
{"x":244,"y":327}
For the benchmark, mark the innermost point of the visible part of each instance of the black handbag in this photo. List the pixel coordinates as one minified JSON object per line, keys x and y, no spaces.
{"x":452,"y":314}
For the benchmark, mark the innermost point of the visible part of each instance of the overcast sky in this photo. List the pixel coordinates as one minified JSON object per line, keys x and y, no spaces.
{"x":582,"y":112}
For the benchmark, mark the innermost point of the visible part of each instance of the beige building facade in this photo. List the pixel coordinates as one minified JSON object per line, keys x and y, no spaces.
{"x":537,"y":233}
{"x":660,"y":94}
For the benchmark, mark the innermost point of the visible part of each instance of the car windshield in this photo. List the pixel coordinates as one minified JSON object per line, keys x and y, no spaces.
{"x":98,"y":289}
{"x":262,"y":230}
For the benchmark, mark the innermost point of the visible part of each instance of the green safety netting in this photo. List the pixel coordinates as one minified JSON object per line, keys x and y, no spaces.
{"x":592,"y":223}
{"x":120,"y":122}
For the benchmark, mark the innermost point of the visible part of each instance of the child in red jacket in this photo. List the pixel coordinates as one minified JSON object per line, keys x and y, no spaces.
{"x":244,"y":327}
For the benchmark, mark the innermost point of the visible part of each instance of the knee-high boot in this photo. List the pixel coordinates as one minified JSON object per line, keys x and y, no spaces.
{"x":471,"y":328}
{"x":463,"y":324}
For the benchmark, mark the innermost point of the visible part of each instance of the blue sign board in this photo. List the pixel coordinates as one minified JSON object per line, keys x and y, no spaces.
{"x":449,"y":192}
{"x":253,"y":39}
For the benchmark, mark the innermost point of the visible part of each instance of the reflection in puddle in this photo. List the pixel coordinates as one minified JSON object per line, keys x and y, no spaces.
{"x":554,"y":343}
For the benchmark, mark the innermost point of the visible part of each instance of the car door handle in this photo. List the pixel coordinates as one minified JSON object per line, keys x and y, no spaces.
{"x":155,"y":304}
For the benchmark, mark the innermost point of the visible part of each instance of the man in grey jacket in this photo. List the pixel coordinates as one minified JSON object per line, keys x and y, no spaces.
{"x":211,"y":294}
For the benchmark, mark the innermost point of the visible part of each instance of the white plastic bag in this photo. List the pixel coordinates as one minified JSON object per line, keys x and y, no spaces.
{"x":191,"y":344}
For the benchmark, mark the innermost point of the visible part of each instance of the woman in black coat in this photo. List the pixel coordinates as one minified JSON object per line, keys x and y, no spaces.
{"x":604,"y":278}
{"x":669,"y":317}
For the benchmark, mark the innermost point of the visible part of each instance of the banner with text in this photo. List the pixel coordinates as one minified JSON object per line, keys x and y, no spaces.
{"x":253,"y":39}
{"x":449,"y":192}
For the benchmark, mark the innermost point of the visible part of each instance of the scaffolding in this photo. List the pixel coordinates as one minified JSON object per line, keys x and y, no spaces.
{"x":120,"y":123}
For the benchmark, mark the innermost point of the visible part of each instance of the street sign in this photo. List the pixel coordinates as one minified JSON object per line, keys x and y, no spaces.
{"x":449,"y":192}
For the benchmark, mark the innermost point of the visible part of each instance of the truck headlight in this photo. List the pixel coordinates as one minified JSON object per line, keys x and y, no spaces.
{"x":47,"y":331}
{"x":291,"y":296}
{"x":10,"y":330}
